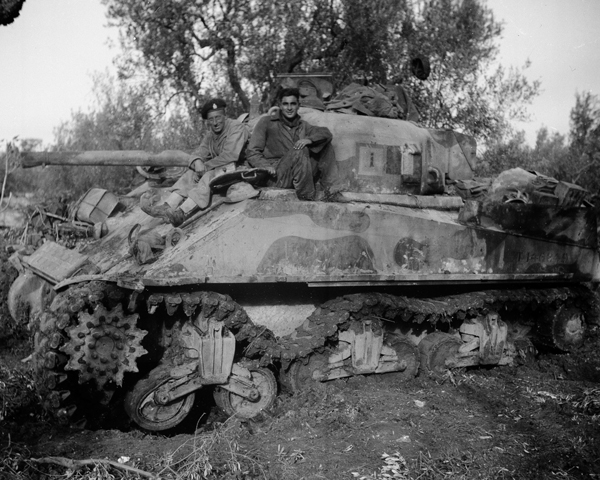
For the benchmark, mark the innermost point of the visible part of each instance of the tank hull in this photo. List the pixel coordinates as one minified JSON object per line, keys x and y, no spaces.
{"x":326,"y":244}
{"x":389,"y":277}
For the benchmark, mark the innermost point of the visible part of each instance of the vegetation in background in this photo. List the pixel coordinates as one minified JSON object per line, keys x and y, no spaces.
{"x":179,"y":52}
{"x":9,"y":10}
{"x":125,"y":116}
{"x":575,"y":159}
{"x":238,"y":47}
{"x":584,"y":167}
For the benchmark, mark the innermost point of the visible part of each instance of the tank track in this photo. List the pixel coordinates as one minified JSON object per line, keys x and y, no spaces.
{"x":255,"y":342}
{"x":76,"y":373}
{"x":82,"y":342}
{"x":337,"y":314}
{"x":66,"y":380}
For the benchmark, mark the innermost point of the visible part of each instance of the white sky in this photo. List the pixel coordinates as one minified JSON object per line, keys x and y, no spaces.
{"x":562,"y":40}
{"x":48,"y":56}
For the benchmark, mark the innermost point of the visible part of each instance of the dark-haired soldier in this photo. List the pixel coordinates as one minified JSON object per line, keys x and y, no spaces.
{"x":220,"y":150}
{"x":291,"y":149}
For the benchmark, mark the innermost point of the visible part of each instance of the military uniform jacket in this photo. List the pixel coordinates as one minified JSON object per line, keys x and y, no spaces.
{"x":273,"y":137}
{"x":227,"y":147}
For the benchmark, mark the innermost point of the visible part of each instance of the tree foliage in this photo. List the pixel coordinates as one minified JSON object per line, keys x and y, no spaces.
{"x":585,"y":140}
{"x":9,"y":10}
{"x":236,"y":48}
{"x":124,"y":116}
{"x":550,"y":155}
{"x":574,"y":160}
{"x":460,"y":40}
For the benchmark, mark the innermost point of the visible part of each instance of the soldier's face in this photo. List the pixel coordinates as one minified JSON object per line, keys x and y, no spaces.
{"x":216,"y":121}
{"x":289,"y":107}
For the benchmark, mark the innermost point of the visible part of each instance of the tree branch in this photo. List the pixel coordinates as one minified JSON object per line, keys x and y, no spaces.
{"x":233,"y":76}
{"x":595,"y":158}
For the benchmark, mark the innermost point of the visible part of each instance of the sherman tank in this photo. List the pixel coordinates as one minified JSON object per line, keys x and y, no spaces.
{"x":393,"y":273}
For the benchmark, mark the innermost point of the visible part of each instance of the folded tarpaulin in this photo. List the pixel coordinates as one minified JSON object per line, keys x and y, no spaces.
{"x":379,"y":101}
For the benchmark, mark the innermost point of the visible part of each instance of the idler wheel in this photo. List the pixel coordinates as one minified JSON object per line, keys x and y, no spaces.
{"x":408,"y":356}
{"x":438,"y":352}
{"x":241,"y":407}
{"x":142,"y":408}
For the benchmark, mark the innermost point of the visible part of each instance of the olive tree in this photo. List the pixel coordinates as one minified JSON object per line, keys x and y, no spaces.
{"x":574,"y":159}
{"x":236,"y":48}
{"x":584,"y":162}
{"x":123,"y":116}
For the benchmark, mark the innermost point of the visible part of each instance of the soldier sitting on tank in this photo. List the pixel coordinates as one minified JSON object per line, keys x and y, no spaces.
{"x":221,"y":149}
{"x":291,"y":150}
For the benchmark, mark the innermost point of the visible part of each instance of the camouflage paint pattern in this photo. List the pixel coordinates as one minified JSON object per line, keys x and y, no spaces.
{"x":360,"y":242}
{"x":267,"y":241}
{"x":382,"y":155}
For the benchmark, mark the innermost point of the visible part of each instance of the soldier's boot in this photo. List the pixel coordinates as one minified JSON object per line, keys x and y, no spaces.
{"x":175,"y":216}
{"x":167,"y":211}
{"x":185,"y":211}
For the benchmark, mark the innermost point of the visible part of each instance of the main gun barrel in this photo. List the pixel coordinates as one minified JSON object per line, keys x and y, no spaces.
{"x":124,"y":158}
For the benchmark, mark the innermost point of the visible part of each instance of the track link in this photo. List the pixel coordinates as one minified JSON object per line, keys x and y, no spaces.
{"x":254,"y":342}
{"x":335,"y":315}
{"x":85,"y":343}
{"x":80,"y":357}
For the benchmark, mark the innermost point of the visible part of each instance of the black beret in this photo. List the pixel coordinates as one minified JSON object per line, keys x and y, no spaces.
{"x":213,"y":104}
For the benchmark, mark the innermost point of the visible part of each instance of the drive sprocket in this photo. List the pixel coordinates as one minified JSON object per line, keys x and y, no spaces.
{"x":104,"y":345}
{"x":83,"y":345}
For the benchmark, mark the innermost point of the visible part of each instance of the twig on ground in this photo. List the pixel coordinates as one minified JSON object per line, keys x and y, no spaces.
{"x":75,"y":464}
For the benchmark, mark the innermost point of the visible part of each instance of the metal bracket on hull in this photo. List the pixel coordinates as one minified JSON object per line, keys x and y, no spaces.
{"x":214,"y":349}
{"x":366,"y":344}
{"x":361,"y":350}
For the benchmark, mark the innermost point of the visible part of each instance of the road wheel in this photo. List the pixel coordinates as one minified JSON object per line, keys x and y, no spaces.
{"x":241,"y":407}
{"x":438,"y":351}
{"x":300,"y":374}
{"x":408,"y":355}
{"x":568,"y":328}
{"x":142,"y":408}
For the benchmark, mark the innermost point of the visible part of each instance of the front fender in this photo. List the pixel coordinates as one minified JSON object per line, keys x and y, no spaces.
{"x":28,"y":297}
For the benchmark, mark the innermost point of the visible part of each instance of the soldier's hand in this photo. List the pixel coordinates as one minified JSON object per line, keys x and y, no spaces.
{"x":271,"y":171}
{"x":198,"y":166}
{"x":199,"y":169}
{"x":303,"y":142}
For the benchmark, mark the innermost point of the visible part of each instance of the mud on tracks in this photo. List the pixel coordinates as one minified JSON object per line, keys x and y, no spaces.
{"x":534,"y":421}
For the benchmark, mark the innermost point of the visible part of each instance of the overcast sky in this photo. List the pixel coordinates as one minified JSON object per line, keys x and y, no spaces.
{"x":562,"y":40}
{"x":48,"y":56}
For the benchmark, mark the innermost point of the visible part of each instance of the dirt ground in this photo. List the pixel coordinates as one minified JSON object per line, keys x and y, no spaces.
{"x":535,"y":421}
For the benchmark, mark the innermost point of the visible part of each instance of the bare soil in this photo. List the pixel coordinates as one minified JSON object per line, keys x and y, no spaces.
{"x":535,"y":421}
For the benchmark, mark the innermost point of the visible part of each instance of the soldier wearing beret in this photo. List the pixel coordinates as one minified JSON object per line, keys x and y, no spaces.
{"x":221,"y":149}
